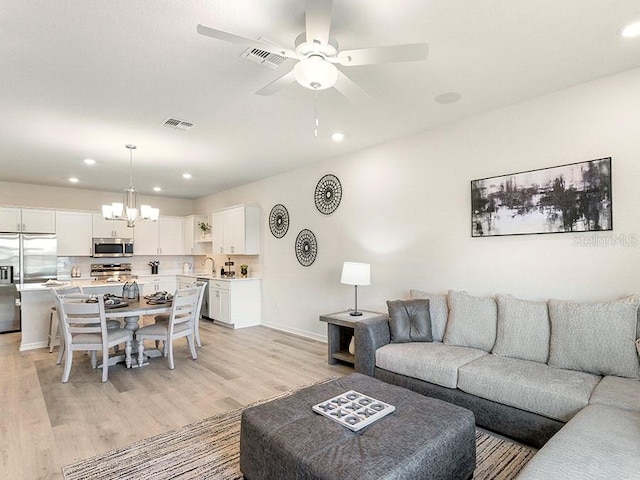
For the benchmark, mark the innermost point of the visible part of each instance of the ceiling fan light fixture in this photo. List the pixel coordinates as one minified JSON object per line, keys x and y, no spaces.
{"x":315,"y":73}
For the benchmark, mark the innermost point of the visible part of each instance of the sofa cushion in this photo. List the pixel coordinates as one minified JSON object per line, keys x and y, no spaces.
{"x":595,"y":337}
{"x":409,"y":321}
{"x":472,"y":321}
{"x":432,"y":362}
{"x":599,"y":443}
{"x":531,"y":386}
{"x":523,"y":329}
{"x":438,"y":310}
{"x":618,"y":392}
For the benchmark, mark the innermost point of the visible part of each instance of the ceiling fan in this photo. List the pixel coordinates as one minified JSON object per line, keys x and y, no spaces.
{"x":317,"y":54}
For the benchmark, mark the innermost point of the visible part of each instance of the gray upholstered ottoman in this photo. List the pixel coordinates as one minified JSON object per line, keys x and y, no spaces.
{"x":423,"y":439}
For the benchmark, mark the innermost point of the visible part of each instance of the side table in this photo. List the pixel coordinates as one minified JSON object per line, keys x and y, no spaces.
{"x":340,"y":329}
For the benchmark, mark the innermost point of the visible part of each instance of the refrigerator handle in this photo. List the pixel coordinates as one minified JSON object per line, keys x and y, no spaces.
{"x":21,"y":261}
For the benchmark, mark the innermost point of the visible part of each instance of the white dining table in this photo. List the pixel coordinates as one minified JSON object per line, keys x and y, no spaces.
{"x":131,"y":314}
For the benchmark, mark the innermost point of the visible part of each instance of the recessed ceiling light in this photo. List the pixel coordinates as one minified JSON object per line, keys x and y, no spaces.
{"x":632,"y":30}
{"x":157,"y":189}
{"x":89,"y":161}
{"x":337,"y":136}
{"x":73,"y":180}
{"x":186,"y":175}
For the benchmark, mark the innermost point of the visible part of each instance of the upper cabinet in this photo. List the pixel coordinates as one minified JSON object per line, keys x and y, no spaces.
{"x":163,"y":237}
{"x":74,"y":231}
{"x":236,"y":230}
{"x":27,"y":220}
{"x":103,"y":228}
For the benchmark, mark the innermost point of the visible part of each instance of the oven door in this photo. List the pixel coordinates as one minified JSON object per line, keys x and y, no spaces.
{"x":107,"y":247}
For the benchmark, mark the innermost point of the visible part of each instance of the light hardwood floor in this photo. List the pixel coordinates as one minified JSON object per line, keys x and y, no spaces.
{"x":46,"y":424}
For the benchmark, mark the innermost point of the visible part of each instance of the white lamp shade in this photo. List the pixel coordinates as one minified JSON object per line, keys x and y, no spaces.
{"x":315,"y":73}
{"x":354,"y":273}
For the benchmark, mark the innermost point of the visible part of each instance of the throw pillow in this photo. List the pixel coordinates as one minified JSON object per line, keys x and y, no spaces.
{"x":438,"y":310}
{"x":523,"y":329}
{"x":595,"y":337}
{"x":472,"y":321}
{"x":409,"y":321}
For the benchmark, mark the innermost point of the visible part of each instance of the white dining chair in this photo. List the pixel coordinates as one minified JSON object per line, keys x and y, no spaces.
{"x":181,"y":323}
{"x":164,"y":317}
{"x":84,"y":327}
{"x":55,"y":328}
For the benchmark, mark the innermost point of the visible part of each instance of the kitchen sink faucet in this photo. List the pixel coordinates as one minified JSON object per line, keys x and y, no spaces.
{"x":213,"y":265}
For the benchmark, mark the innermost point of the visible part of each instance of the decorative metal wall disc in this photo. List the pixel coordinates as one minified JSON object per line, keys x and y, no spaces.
{"x":306,"y":247}
{"x":328,"y":194}
{"x":279,"y":221}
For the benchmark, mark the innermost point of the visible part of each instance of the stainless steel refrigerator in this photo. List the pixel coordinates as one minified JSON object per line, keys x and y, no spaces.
{"x":28,"y":258}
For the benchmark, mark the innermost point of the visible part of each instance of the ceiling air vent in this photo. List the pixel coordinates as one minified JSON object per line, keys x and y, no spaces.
{"x":262,"y":57}
{"x":177,"y":124}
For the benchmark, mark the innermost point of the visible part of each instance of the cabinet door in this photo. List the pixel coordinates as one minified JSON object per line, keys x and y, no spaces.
{"x":101,"y":227}
{"x":189,"y":224}
{"x":225,"y":307}
{"x":121,"y":230}
{"x":38,"y":221}
{"x":170,"y":235}
{"x":10,"y":220}
{"x":218,"y":232}
{"x":146,"y":238}
{"x":74,"y":230}
{"x":234,"y":231}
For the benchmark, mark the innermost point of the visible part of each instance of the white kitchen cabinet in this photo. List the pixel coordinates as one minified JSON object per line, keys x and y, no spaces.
{"x":146,"y":238}
{"x":157,"y":283}
{"x":185,"y":282}
{"x":74,"y":233}
{"x":192,"y":243}
{"x":235,"y":303}
{"x":103,"y":228}
{"x":170,"y":236}
{"x":236,"y":230}
{"x":163,"y":237}
{"x":28,"y":220}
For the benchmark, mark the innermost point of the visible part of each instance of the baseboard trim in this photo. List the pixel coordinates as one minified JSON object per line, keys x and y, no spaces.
{"x":296,"y":331}
{"x":33,"y":346}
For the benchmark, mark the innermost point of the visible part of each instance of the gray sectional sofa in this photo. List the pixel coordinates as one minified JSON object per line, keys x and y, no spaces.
{"x":558,"y":375}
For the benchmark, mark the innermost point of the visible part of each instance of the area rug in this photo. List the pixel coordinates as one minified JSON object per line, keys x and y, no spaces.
{"x":210,"y":448}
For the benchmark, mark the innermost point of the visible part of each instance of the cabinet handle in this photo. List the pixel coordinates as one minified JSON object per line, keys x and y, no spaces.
{"x":18,"y":227}
{"x":24,"y":228}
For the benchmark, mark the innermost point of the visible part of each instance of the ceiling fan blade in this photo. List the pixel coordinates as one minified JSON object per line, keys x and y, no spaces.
{"x":247,"y":42}
{"x":278,"y":84}
{"x":350,"y":90}
{"x":318,"y":20}
{"x":396,"y":53}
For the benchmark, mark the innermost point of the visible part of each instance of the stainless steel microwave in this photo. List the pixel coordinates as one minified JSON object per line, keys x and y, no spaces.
{"x":112,"y":247}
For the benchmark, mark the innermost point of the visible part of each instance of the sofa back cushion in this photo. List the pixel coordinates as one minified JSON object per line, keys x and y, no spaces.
{"x":472,"y":321}
{"x":438,"y":310}
{"x":409,"y":321}
{"x":523,"y":329}
{"x":595,"y":337}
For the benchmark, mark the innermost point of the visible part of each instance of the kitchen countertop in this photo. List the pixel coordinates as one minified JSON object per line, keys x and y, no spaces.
{"x":92,"y":281}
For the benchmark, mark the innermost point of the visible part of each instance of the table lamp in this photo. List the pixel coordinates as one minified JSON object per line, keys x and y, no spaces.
{"x":356,"y":274}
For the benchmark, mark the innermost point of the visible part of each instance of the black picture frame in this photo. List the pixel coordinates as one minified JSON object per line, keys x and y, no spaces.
{"x":575,"y":197}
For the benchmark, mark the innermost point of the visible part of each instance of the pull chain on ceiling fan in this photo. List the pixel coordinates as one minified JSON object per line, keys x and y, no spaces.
{"x":317,"y":54}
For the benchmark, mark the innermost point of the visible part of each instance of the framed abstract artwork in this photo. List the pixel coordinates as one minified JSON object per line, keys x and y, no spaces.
{"x":567,"y":198}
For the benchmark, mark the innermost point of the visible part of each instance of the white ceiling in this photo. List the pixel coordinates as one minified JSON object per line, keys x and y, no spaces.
{"x":82,"y":78}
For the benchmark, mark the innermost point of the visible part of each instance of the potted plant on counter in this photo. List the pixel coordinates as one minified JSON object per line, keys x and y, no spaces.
{"x":205,"y":228}
{"x":244,"y":270}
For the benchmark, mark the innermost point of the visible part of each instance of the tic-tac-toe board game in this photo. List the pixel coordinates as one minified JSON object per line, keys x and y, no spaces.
{"x":353,"y":409}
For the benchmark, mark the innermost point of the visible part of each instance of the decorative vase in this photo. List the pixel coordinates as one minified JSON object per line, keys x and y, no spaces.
{"x":352,"y":346}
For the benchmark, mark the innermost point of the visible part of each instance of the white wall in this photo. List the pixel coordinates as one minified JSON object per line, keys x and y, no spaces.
{"x":406,"y":210}
{"x":40,"y":196}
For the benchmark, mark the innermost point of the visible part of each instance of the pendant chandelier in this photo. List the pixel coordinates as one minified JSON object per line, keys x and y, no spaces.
{"x":128,"y":210}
